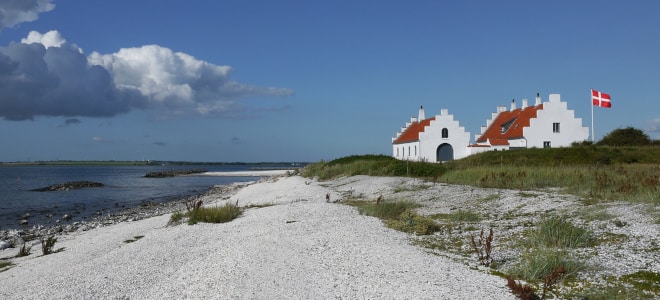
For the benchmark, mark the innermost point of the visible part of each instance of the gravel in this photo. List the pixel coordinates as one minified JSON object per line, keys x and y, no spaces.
{"x":301,"y":247}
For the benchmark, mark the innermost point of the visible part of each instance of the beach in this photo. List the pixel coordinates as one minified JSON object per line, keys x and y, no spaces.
{"x":291,"y":243}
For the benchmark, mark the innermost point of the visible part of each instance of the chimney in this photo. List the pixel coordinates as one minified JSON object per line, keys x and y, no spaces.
{"x":538,"y":99}
{"x":524,"y":104}
{"x":421,"y":114}
{"x":513,"y":104}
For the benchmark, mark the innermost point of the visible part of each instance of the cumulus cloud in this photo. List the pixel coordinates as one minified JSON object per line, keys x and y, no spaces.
{"x":49,"y":39}
{"x":13,"y":12}
{"x":46,"y":75}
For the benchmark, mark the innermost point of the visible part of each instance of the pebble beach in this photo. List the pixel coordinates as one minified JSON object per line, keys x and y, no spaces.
{"x":291,"y":243}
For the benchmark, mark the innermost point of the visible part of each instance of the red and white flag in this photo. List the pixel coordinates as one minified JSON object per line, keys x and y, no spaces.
{"x":600,"y":99}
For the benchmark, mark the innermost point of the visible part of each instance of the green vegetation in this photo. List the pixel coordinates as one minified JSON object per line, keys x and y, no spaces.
{"x":4,"y":265}
{"x":599,"y":173}
{"x":560,"y":233}
{"x":628,"y":136}
{"x":536,"y":264}
{"x":215,"y":214}
{"x":464,"y":216}
{"x":374,"y":165}
{"x":47,"y":245}
{"x":398,"y":215}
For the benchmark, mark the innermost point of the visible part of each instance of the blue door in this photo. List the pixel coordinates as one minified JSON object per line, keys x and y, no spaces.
{"x":444,"y":153}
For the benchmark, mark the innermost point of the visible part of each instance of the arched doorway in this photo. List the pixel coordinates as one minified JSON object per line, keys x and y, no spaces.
{"x":444,"y":152}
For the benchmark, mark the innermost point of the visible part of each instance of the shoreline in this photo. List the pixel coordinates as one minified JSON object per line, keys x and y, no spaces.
{"x":145,"y":209}
{"x":290,"y":242}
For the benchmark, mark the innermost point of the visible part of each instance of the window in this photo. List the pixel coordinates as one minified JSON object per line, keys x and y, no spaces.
{"x":408,"y":150}
{"x":415,"y":150}
{"x":445,"y":133}
{"x":546,"y":144}
{"x":555,"y":127}
{"x":506,"y":125}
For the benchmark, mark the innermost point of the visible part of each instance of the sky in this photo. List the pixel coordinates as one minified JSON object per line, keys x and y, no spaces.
{"x":274,"y":81}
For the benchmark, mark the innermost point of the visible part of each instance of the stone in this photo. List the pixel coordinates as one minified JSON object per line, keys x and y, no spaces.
{"x":4,"y":245}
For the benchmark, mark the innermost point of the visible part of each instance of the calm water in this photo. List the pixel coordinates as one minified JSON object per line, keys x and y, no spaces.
{"x":125,"y":186}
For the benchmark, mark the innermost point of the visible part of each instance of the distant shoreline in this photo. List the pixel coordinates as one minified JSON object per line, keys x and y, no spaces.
{"x":258,"y":165}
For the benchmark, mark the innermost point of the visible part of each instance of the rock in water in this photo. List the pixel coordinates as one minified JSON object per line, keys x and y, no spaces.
{"x":69,"y":186}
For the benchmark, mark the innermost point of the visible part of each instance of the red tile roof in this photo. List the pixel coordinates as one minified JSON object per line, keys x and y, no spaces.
{"x":514,"y":121}
{"x":412,"y":132}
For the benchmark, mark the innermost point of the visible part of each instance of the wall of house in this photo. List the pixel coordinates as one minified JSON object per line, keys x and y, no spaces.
{"x":540,"y":129}
{"x":432,"y":138}
{"x":407,"y":151}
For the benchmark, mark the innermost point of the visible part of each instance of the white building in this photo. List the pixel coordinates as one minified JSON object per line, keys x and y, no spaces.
{"x":441,"y":138}
{"x":435,"y":139}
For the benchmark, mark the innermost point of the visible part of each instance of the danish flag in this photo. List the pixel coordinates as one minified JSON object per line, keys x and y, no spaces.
{"x":600,"y":99}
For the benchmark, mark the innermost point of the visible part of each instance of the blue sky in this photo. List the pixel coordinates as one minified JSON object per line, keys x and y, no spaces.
{"x":304,"y":80}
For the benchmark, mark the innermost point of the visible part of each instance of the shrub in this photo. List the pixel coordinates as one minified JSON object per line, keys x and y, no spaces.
{"x":628,"y":136}
{"x":47,"y":245}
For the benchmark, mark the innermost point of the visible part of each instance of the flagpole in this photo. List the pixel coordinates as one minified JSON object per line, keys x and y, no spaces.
{"x":592,"y":115}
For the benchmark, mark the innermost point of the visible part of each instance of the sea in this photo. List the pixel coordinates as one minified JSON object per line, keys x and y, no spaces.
{"x":125,"y":186}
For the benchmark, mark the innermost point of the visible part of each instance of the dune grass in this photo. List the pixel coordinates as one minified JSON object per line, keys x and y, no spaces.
{"x":214,"y":214}
{"x":559,"y":233}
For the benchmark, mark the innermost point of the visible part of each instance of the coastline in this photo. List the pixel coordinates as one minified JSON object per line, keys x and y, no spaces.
{"x":146,"y":209}
{"x":291,"y":243}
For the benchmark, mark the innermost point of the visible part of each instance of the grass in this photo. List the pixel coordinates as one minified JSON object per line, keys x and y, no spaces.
{"x":398,"y":215}
{"x":600,"y":173}
{"x":560,"y":233}
{"x":373,"y":165}
{"x":536,"y":264}
{"x":215,"y":214}
{"x":4,"y":265}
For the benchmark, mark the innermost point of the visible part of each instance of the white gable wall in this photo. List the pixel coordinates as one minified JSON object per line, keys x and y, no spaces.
{"x":540,"y":129}
{"x":431,"y":138}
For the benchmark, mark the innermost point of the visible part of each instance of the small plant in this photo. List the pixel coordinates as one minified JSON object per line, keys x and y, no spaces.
{"x":134,"y":239}
{"x":483,"y":247}
{"x":520,"y":290}
{"x":560,"y":233}
{"x":410,"y":222}
{"x":4,"y":264}
{"x":552,"y":279}
{"x":24,"y":250}
{"x":47,"y":245}
{"x":538,"y":263}
{"x":192,"y":203}
{"x":214,"y":214}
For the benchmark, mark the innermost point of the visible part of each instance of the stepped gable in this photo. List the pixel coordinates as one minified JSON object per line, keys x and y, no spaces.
{"x":509,"y":125}
{"x":411,"y":133}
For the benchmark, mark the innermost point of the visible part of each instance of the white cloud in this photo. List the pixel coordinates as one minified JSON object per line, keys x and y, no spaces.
{"x":50,"y":39}
{"x":14,"y":12}
{"x":46,"y":75}
{"x":177,"y":80}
